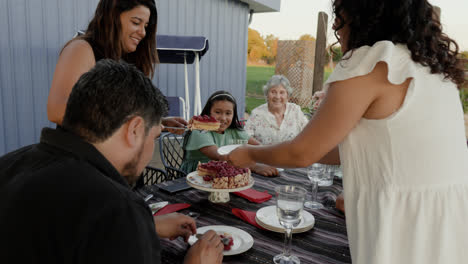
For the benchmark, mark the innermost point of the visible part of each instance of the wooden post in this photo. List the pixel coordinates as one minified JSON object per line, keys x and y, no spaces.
{"x":320,"y":46}
{"x":437,"y":12}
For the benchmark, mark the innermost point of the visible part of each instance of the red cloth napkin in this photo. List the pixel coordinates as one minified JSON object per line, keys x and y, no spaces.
{"x":170,"y":208}
{"x":247,"y":216}
{"x":254,"y":195}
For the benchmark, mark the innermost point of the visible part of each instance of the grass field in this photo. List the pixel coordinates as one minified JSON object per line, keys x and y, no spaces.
{"x":252,"y":102}
{"x":257,"y":76}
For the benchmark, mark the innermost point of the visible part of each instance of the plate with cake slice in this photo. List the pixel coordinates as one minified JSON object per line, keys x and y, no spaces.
{"x":240,"y":241}
{"x":219,"y":176}
{"x":204,"y":122}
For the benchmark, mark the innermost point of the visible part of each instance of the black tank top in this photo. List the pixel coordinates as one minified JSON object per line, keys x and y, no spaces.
{"x":98,"y":54}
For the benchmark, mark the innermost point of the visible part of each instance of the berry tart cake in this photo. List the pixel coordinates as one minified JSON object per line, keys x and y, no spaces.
{"x":228,"y":240}
{"x":204,"y":123}
{"x":222,"y":175}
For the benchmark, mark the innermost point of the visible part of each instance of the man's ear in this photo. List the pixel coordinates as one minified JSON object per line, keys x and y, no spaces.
{"x":135,"y":133}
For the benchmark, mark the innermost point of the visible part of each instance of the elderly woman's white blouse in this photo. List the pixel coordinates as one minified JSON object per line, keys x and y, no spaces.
{"x":263,"y":127}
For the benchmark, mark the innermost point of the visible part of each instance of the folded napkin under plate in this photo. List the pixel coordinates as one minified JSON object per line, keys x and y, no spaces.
{"x":254,"y":195}
{"x":247,"y":216}
{"x":170,"y":208}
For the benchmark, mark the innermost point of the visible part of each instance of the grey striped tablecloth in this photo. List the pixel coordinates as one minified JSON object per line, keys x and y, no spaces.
{"x":326,"y":243}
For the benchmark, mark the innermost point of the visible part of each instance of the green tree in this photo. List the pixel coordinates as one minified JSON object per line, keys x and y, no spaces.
{"x":464,"y":55}
{"x":306,"y":37}
{"x":256,"y":48}
{"x":337,"y":53}
{"x":272,"y":47}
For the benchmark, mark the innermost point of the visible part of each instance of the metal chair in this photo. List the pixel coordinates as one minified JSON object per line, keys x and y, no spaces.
{"x":177,"y":103}
{"x":172,"y":154}
{"x":151,"y":176}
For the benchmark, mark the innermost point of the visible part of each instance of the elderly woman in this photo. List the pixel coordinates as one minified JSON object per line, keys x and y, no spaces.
{"x":277,"y":120}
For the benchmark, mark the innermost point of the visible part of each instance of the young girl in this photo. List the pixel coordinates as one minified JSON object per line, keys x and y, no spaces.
{"x":201,"y":146}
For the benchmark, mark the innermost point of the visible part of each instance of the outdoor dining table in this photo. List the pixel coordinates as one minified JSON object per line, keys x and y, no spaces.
{"x":326,"y":242}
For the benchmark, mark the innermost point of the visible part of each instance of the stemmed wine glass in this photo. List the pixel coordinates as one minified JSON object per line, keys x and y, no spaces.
{"x":289,"y":205}
{"x":315,"y":173}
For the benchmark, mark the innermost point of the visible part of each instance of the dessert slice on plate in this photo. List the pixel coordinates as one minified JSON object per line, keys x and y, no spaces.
{"x":227,"y":240}
{"x":204,"y":122}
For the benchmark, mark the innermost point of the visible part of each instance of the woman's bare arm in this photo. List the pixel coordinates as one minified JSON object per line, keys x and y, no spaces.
{"x":332,"y":157}
{"x":345,"y":104}
{"x":76,"y":58}
{"x":265,"y":170}
{"x":211,"y":152}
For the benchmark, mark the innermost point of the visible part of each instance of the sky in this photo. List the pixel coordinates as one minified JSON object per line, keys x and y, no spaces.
{"x":298,"y":17}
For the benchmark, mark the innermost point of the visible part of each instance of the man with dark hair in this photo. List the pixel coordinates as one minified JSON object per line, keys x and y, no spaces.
{"x":68,"y":198}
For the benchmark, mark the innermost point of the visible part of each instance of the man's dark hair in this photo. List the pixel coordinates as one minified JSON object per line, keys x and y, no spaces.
{"x":107,"y":96}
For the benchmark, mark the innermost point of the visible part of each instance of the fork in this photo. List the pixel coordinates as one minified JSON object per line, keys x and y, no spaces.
{"x":224,"y":240}
{"x":186,"y":129}
{"x":149,"y":196}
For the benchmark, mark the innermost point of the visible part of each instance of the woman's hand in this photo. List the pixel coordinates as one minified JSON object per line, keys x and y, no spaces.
{"x":175,"y":225}
{"x":175,"y":121}
{"x":239,"y":157}
{"x":264,"y":170}
{"x":207,"y":250}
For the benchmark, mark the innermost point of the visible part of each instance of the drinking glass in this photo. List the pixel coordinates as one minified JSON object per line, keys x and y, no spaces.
{"x":328,"y":174}
{"x":339,"y":172}
{"x":315,"y":173}
{"x":289,"y":205}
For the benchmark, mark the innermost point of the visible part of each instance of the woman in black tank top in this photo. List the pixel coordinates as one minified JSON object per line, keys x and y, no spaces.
{"x":119,"y":30}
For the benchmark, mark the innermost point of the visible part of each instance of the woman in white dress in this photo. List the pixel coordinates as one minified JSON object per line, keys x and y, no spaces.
{"x":393,"y":109}
{"x":277,"y":120}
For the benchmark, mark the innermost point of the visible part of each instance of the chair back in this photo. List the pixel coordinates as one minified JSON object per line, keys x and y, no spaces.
{"x":172,"y":154}
{"x":176,"y":106}
{"x":151,"y":176}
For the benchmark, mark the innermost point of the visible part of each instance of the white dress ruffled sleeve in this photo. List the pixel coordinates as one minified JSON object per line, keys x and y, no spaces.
{"x":406,"y":176}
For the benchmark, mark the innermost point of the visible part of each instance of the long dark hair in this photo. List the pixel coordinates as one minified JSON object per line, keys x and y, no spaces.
{"x":104,"y":32}
{"x":223,"y":96}
{"x":410,"y":22}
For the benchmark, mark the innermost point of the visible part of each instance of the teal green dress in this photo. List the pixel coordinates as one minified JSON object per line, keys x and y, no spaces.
{"x":198,"y":140}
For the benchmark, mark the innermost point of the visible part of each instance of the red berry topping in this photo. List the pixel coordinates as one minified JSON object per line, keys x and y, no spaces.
{"x":205,"y":119}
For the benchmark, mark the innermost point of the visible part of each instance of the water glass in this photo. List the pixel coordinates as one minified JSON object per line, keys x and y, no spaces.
{"x":315,"y":172}
{"x":289,"y":206}
{"x":328,"y":174}
{"x":339,"y":172}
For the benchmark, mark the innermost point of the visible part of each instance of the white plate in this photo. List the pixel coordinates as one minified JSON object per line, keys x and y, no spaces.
{"x":243,"y":241}
{"x":267,"y":218}
{"x":227,"y":149}
{"x":280,"y":169}
{"x":197,"y":182}
{"x":157,"y":206}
